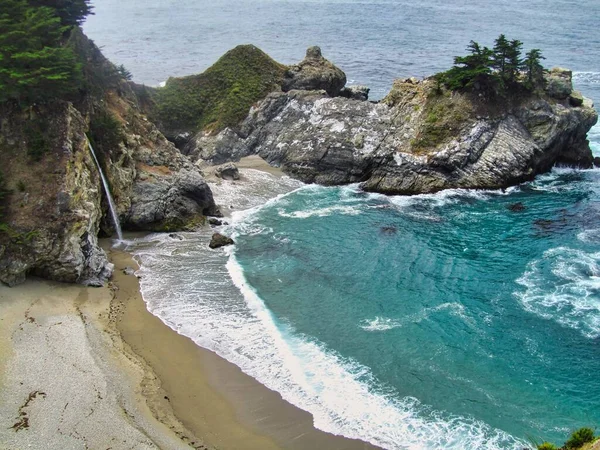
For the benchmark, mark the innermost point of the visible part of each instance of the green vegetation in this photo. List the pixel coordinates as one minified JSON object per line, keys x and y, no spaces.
{"x":580,"y":437}
{"x":444,"y":116}
{"x":222,"y":95}
{"x":497,"y":70}
{"x":106,"y":132}
{"x":70,"y":12}
{"x":577,"y":441}
{"x":35,"y":132}
{"x":547,"y":446}
{"x":35,"y":63}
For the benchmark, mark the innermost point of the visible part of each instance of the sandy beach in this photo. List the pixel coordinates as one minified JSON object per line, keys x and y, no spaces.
{"x":85,"y":367}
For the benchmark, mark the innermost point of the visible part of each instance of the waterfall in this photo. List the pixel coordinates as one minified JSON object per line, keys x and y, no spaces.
{"x":111,"y":203}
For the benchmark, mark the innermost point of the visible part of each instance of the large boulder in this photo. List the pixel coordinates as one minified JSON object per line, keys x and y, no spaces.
{"x":559,"y":83}
{"x":314,"y":73}
{"x":218,"y":240}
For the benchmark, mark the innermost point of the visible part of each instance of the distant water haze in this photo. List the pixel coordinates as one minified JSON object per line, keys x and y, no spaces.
{"x":374,"y":42}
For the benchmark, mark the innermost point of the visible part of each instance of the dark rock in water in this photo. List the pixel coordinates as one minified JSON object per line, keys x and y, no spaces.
{"x":228,"y":171}
{"x":389,"y":230}
{"x":314,"y":73}
{"x":597,"y":161}
{"x":176,"y":236}
{"x":356,"y":92}
{"x":219,"y":240}
{"x":129,"y":271}
{"x":516,"y":207}
{"x":214,"y":221}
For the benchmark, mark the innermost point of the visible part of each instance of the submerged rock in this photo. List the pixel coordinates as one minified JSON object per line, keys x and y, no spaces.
{"x":218,"y":240}
{"x":516,"y":207}
{"x":314,"y":73}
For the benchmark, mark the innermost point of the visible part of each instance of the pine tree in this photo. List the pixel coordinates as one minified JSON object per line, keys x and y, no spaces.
{"x":71,"y":12}
{"x":501,"y":54}
{"x":473,"y":70}
{"x":514,"y":61}
{"x":534,"y":71}
{"x":34,"y":65}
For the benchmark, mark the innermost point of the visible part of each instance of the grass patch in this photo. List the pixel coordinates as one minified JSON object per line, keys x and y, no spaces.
{"x":444,"y":116}
{"x":221,"y":96}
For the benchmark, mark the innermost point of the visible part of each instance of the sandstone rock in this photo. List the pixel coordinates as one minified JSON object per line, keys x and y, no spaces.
{"x":218,"y":240}
{"x":559,"y":83}
{"x":228,"y":171}
{"x":314,"y":73}
{"x":356,"y":92}
{"x":576,"y":98}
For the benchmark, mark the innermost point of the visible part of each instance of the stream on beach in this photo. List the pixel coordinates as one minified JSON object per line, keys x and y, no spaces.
{"x":451,"y":321}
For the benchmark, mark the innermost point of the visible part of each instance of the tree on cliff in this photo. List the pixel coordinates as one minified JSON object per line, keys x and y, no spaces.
{"x":35,"y":65}
{"x":534,"y":71}
{"x":473,"y":70}
{"x":71,"y":12}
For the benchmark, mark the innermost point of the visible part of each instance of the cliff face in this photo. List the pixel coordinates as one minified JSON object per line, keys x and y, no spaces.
{"x":53,"y":213}
{"x":421,"y":138}
{"x":56,"y":207}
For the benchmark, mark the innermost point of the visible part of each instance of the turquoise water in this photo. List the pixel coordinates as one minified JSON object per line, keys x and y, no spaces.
{"x":454,"y":300}
{"x":445,"y":321}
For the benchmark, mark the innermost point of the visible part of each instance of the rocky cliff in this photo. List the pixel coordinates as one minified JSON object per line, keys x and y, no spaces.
{"x":421,"y":138}
{"x":55,"y":208}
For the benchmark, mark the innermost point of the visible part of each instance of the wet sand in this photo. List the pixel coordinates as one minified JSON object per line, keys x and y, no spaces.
{"x":210,"y":396}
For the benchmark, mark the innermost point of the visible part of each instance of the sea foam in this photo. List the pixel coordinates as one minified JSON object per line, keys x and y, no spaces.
{"x":564,"y":286}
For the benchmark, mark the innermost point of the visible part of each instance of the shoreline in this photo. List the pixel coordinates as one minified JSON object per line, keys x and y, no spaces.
{"x":84,"y":367}
{"x":242,"y":414}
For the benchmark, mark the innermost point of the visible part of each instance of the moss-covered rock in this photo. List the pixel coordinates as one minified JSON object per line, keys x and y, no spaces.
{"x":221,"y":96}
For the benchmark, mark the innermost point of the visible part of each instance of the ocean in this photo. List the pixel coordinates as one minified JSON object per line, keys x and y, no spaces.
{"x":444,"y":321}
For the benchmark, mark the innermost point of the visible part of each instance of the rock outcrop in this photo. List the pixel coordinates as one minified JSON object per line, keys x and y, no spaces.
{"x":218,"y":240}
{"x":314,"y":73}
{"x":54,"y":210}
{"x":419,"y":139}
{"x":56,"y":207}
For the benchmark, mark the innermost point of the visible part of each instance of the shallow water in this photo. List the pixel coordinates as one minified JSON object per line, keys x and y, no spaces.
{"x":441,"y":321}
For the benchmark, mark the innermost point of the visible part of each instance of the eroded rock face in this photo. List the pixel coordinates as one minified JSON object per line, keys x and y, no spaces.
{"x":54,"y":220}
{"x":57,"y":207}
{"x":314,"y":73}
{"x":406,"y":144}
{"x":559,"y":83}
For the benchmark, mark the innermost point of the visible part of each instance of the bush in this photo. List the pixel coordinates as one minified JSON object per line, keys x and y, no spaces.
{"x":580,"y":437}
{"x":547,"y":446}
{"x":106,"y":132}
{"x":35,"y":134}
